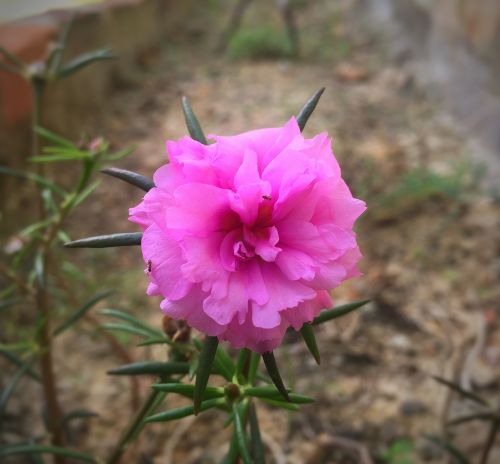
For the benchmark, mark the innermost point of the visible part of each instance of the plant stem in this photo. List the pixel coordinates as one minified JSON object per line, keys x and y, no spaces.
{"x":54,"y":415}
{"x":490,"y":440}
{"x":135,"y":426}
{"x":37,"y":89}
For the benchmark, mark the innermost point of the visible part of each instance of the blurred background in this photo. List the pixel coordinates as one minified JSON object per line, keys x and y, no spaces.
{"x":412,"y":103}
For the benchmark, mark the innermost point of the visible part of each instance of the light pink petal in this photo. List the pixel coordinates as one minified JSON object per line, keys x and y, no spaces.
{"x":308,"y":310}
{"x":188,"y":309}
{"x":283,"y":294}
{"x":295,"y":264}
{"x":202,"y":257}
{"x":164,"y":256}
{"x":223,"y":310}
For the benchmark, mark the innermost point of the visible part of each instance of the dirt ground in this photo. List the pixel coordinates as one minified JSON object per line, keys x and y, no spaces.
{"x":430,"y":240}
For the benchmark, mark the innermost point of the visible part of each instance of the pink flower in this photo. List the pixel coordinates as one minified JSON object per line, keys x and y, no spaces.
{"x":244,"y":237}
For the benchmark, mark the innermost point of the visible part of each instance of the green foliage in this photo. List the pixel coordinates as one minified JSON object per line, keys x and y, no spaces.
{"x":419,"y":186}
{"x":400,"y":452}
{"x":259,"y":43}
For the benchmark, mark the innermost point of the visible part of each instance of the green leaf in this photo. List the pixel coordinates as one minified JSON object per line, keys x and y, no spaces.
{"x":12,"y":58}
{"x":54,"y":138}
{"x":339,"y":311}
{"x":308,"y":109}
{"x":456,"y":388}
{"x":80,"y":312}
{"x":12,"y":450}
{"x":161,"y":369}
{"x":255,"y":437}
{"x":55,"y":59}
{"x":281,"y":404}
{"x":21,"y":346}
{"x":40,"y":181}
{"x":183,"y":348}
{"x":107,"y":241}
{"x":120,"y":154}
{"x":459,"y":458}
{"x":307,"y":333}
{"x":240,"y":434}
{"x":83,"y":195}
{"x":84,"y":60}
{"x":8,"y":390}
{"x":69,"y":152}
{"x":115,"y":326}
{"x":156,"y":341}
{"x":242,"y":360}
{"x":188,"y":390}
{"x":272,"y":370}
{"x":192,"y":122}
{"x":193,"y":367}
{"x":36,"y":226}
{"x":39,"y":269}
{"x":273,"y":394}
{"x":122,"y":315}
{"x":179,"y":413}
{"x":130,"y":177}
{"x":224,"y":363}
{"x":254,"y":365}
{"x":17,"y":361}
{"x":53,"y":158}
{"x":205,"y":362}
{"x":232,"y":454}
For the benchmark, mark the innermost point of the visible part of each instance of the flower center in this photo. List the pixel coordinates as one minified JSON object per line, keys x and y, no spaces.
{"x":242,"y":251}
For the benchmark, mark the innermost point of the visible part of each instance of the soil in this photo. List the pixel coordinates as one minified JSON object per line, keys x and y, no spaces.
{"x":431,"y":263}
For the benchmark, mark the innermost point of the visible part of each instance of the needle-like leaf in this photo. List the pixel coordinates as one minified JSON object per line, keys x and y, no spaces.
{"x":192,"y":123}
{"x":240,"y":434}
{"x":256,"y":439}
{"x":339,"y":311}
{"x":107,"y":241}
{"x":122,"y":315}
{"x":80,"y":312}
{"x":272,"y":370}
{"x":12,"y":450}
{"x":308,"y":109}
{"x":151,"y":368}
{"x":206,"y":360}
{"x":188,"y":390}
{"x":84,"y":60}
{"x":307,"y":333}
{"x":179,"y":413}
{"x":130,"y":177}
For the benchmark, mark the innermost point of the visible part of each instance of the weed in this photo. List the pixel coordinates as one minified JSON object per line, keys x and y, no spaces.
{"x":259,"y":43}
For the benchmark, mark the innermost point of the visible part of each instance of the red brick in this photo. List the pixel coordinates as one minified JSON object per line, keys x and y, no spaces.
{"x":30,"y":42}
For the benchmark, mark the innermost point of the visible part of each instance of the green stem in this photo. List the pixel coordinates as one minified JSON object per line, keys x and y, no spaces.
{"x":136,"y":425}
{"x":54,"y":414}
{"x":253,"y":366}
{"x":242,"y":363}
{"x":38,"y":89}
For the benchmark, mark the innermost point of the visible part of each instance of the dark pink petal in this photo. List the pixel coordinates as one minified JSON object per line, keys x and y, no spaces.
{"x":199,"y":208}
